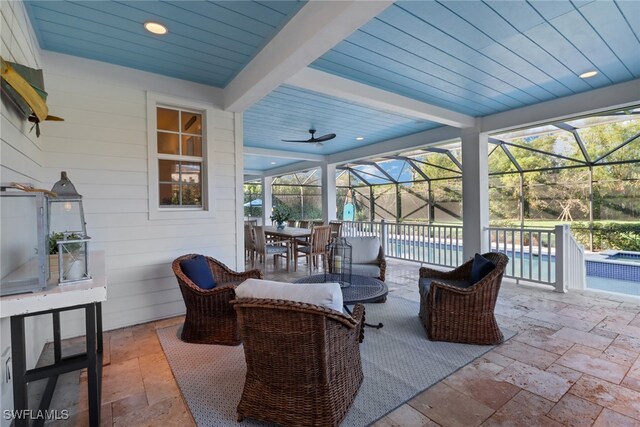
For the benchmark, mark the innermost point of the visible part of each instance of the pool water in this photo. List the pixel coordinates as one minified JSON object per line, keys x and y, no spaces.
{"x":622,"y":256}
{"x":613,"y":285}
{"x":610,"y":277}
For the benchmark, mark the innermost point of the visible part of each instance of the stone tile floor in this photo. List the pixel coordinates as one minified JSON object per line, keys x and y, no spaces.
{"x":574,"y":362}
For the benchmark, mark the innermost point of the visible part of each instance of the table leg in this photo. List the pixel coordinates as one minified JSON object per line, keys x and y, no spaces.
{"x":93,"y":382}
{"x":18,"y":359}
{"x":378,"y":326}
{"x":57,"y":344}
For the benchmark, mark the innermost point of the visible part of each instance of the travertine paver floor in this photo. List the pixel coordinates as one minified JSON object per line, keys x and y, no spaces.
{"x":574,"y":362}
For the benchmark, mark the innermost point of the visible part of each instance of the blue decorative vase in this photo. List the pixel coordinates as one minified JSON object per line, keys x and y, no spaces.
{"x":280,"y":226}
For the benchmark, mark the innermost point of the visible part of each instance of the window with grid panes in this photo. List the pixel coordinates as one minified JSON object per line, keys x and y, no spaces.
{"x":180,"y":158}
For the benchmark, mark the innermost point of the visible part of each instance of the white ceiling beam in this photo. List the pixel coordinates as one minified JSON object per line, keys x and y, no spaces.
{"x":329,"y":84}
{"x":594,"y":101}
{"x":267,"y":152}
{"x":397,"y":145}
{"x":316,"y":28}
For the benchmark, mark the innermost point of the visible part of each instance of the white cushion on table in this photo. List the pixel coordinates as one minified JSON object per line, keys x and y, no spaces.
{"x":364,"y":249}
{"x":325,"y":294}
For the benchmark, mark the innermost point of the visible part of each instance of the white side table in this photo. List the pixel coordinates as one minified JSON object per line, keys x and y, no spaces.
{"x":54,"y":299}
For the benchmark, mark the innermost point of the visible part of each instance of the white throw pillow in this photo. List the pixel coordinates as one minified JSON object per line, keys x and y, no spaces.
{"x":364,"y":249}
{"x":325,"y":294}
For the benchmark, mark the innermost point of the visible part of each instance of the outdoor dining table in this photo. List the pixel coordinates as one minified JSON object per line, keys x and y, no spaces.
{"x":289,"y":234}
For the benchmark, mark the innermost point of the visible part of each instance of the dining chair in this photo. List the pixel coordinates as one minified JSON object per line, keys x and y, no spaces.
{"x":303,"y":224}
{"x":336,"y":229}
{"x":249,"y":241}
{"x":317,"y":247}
{"x":263,"y":248}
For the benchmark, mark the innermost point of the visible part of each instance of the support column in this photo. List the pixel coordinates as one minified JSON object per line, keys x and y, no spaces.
{"x":475,"y":192}
{"x":267,"y":199}
{"x":328,"y":172}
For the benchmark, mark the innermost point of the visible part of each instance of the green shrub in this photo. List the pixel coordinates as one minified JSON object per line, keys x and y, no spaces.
{"x":609,"y":235}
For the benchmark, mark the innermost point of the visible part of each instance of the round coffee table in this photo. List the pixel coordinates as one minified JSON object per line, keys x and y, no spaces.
{"x":363,"y":289}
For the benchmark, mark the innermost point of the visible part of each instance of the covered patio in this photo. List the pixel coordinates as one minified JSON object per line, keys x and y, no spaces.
{"x":162,"y":131}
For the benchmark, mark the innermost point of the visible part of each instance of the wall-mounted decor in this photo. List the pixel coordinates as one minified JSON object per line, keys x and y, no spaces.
{"x":24,"y":86}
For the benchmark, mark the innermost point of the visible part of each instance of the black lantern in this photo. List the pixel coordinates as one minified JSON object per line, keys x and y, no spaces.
{"x":67,"y":233}
{"x":339,"y":263}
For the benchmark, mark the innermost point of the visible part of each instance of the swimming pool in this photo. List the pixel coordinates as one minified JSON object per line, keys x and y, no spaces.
{"x":611,"y":264}
{"x":613,"y":271}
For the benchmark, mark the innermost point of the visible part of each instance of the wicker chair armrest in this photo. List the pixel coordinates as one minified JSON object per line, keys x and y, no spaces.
{"x":460,"y":273}
{"x":358,"y":313}
{"x":211,"y":293}
{"x":226,"y":275}
{"x":441,"y":293}
{"x":301,"y":307}
{"x":443,"y":287}
{"x":382,"y":262}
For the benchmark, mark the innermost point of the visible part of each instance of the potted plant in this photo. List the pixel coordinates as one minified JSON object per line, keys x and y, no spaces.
{"x":280,"y":214}
{"x":69,"y":259}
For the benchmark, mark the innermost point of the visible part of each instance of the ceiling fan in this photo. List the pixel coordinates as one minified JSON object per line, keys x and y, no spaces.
{"x":313,"y":139}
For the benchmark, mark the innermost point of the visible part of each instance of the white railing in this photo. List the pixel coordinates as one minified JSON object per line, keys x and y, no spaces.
{"x":571,"y":270}
{"x":429,"y":243}
{"x":531,"y":252}
{"x":548,"y":256}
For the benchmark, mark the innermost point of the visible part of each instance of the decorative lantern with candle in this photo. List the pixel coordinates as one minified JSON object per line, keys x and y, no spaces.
{"x":67,"y":232}
{"x":339,"y":262}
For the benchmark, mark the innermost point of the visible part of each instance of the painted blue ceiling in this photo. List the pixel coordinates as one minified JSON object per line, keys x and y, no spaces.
{"x":480,"y":58}
{"x":473,"y":57}
{"x":288,"y":113}
{"x":208,"y":42}
{"x":261,"y":163}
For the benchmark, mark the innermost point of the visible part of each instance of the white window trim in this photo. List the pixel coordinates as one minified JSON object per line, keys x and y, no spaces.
{"x":207,"y":210}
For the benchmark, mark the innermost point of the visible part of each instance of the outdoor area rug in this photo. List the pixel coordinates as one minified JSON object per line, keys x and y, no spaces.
{"x":398,"y":362}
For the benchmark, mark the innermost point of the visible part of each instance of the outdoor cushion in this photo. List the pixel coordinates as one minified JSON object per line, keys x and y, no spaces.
{"x":325,"y":294}
{"x":367,"y":270}
{"x":480,"y":268}
{"x":198,"y":271}
{"x":276,"y":249}
{"x":364,"y":249}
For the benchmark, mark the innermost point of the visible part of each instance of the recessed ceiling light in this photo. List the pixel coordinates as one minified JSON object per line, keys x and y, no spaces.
{"x":588,"y":74}
{"x":155,"y":28}
{"x":360,"y":138}
{"x":273,"y":163}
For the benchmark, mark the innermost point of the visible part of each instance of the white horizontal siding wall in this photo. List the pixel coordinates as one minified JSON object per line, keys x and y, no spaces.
{"x":102,"y":144}
{"x":21,"y":160}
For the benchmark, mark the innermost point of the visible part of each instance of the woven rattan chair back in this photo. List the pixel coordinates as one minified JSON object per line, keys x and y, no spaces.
{"x":464,"y":315}
{"x":303,"y":361}
{"x":210,"y":319}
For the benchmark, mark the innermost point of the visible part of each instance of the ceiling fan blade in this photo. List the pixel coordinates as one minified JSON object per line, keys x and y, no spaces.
{"x":326,"y":137}
{"x":296,"y":140}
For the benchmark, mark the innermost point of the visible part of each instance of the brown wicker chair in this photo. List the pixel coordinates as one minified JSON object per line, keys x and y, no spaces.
{"x":303,"y":361}
{"x":210,"y":318}
{"x":450,"y":312}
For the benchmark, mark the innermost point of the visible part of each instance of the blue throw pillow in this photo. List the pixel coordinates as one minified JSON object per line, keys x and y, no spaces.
{"x":480,"y":268}
{"x":197,"y":269}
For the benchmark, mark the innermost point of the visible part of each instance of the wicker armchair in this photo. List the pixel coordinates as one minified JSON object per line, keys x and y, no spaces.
{"x":451,"y":312}
{"x":303,"y":361}
{"x":210,"y":318}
